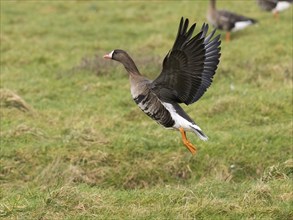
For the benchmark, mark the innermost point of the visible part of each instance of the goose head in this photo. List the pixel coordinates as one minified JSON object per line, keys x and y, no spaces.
{"x":117,"y":54}
{"x":122,"y":57}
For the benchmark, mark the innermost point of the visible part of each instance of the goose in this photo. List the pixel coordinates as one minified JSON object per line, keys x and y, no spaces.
{"x":226,"y":20}
{"x":187,"y":72}
{"x":275,"y":6}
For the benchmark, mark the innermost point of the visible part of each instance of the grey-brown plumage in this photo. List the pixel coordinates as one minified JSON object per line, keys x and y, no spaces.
{"x":188,"y":71}
{"x":267,"y":5}
{"x":226,"y":20}
{"x":151,"y":105}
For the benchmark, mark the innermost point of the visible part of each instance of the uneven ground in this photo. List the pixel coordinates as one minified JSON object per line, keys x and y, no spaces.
{"x":75,"y":146}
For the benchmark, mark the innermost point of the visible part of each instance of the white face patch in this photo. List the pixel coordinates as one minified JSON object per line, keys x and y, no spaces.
{"x":111,"y":54}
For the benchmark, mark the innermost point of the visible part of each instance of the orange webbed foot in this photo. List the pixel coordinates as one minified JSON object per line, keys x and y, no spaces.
{"x":186,"y":142}
{"x":276,"y":15}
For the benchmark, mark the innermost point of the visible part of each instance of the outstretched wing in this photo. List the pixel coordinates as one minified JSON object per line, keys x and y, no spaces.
{"x":189,"y":67}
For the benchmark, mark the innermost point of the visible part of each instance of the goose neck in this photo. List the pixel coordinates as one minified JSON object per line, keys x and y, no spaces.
{"x":130,"y":66}
{"x":212,"y":5}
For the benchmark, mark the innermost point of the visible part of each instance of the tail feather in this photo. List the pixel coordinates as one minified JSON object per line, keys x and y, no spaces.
{"x":199,"y":132}
{"x":282,"y":5}
{"x":243,"y":24}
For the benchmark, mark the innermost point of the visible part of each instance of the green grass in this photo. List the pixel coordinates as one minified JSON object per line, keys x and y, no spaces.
{"x":75,"y":146}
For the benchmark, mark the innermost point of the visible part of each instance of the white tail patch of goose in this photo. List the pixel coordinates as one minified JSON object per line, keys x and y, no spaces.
{"x":241,"y":25}
{"x":281,"y":6}
{"x":181,"y":122}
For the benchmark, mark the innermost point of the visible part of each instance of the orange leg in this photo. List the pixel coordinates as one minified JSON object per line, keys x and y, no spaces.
{"x":186,"y":142}
{"x":276,"y":15}
{"x":228,"y":37}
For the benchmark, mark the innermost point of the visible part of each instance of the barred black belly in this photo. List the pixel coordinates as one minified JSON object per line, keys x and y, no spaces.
{"x":152,"y":106}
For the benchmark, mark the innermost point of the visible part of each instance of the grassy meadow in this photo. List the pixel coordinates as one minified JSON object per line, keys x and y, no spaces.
{"x":74,"y":145}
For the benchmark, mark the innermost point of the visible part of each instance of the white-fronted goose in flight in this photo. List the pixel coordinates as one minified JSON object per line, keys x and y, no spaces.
{"x":274,"y":6}
{"x":188,"y":71}
{"x":226,"y":20}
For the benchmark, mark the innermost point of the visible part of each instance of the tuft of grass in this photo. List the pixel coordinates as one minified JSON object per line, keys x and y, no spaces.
{"x":10,"y":99}
{"x":75,"y":146}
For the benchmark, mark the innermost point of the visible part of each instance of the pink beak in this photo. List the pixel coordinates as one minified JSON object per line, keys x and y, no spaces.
{"x":107,"y":56}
